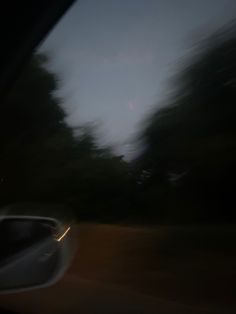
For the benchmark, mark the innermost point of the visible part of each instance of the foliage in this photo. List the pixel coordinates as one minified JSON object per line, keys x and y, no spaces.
{"x":42,"y":160}
{"x":190,"y":143}
{"x":187,"y":167}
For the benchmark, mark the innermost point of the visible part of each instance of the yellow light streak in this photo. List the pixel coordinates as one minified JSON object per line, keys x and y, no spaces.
{"x":63,"y":235}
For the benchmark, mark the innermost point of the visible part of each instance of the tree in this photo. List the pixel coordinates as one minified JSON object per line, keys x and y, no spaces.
{"x":190,"y":143}
{"x":42,"y":160}
{"x":29,"y":118}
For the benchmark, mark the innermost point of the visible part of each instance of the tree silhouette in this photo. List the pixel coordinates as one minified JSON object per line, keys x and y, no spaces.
{"x":41,"y":160}
{"x":190,"y":148}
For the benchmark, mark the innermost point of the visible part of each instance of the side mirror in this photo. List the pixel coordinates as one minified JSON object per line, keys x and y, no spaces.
{"x":34,"y":252}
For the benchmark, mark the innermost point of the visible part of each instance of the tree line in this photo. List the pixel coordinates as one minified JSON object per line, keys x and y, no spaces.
{"x":184,"y":173}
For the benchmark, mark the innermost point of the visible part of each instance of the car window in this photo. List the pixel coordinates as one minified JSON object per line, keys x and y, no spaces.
{"x":124,"y":119}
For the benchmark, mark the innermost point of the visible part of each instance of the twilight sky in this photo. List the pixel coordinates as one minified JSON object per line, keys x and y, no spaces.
{"x":114,"y":57}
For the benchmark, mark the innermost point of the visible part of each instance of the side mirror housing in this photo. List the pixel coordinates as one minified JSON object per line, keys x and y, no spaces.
{"x":34,"y":252}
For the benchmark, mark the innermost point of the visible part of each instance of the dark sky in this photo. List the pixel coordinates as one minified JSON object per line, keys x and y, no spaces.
{"x":114,"y":57}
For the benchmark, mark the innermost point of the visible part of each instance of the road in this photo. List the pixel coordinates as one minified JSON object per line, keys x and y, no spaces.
{"x":119,"y":270}
{"x":76,"y":295}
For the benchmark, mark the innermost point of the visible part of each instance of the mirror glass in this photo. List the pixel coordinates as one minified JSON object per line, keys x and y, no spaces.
{"x":30,"y":254}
